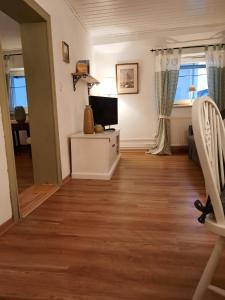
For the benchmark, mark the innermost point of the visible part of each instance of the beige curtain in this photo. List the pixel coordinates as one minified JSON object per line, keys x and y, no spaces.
{"x":166,"y":77}
{"x":215,"y":63}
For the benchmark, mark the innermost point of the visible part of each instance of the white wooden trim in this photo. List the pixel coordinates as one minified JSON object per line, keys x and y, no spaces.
{"x":136,"y":143}
{"x":210,"y":268}
{"x":209,"y":133}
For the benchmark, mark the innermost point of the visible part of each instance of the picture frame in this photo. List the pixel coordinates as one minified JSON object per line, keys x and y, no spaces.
{"x":65,"y":52}
{"x":127,"y":78}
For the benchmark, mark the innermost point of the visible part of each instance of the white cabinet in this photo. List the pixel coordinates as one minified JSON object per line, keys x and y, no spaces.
{"x":95,"y":156}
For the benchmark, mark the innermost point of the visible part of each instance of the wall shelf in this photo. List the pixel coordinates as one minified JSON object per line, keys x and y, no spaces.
{"x":91,"y":81}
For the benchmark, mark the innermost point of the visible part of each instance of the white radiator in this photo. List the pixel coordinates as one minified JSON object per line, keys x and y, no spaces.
{"x":179,"y":130}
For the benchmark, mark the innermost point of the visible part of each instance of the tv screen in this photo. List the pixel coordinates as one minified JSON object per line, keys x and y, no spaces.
{"x":104,"y":110}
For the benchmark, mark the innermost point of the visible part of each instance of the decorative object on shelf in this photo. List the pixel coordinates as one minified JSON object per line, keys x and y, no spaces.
{"x":83,"y":66}
{"x":20,"y":114}
{"x":65,"y":52}
{"x":192,"y":89}
{"x":91,"y":81}
{"x":88,"y":120}
{"x":82,"y":72}
{"x":99,"y":128}
{"x":127,"y":78}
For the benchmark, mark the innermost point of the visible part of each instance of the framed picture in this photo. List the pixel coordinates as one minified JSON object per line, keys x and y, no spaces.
{"x":65,"y":52}
{"x":127,"y":78}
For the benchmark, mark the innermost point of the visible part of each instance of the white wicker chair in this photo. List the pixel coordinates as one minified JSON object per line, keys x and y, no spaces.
{"x":209,"y":134}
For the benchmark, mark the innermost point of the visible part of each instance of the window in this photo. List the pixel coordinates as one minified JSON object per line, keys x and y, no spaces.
{"x":191,"y":74}
{"x":17,"y":92}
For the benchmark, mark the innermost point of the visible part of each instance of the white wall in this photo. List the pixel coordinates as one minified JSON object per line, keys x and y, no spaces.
{"x":138,"y":116}
{"x":180,"y":121}
{"x":9,"y":33}
{"x":70,"y":104}
{"x":137,"y":112}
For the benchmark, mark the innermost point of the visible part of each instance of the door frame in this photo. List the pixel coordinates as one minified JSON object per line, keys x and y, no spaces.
{"x":8,"y":141}
{"x":29,"y":12}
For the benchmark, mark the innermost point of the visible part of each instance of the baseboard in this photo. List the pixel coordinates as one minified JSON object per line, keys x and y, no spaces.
{"x":133,"y":150}
{"x":144,"y":144}
{"x":6,"y":226}
{"x":179,"y":149}
{"x":97,"y":176}
{"x":66,"y":180}
{"x":136,"y":143}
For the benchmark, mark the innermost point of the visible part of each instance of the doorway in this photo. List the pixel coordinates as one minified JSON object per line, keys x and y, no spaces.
{"x":38,"y":65}
{"x":17,"y":100}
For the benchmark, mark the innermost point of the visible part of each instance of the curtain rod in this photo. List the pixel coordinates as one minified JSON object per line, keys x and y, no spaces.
{"x":187,"y":47}
{"x":5,"y":55}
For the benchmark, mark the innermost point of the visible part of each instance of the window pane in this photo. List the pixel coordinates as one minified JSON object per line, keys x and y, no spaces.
{"x":202,"y":88}
{"x":184,"y":81}
{"x":192,"y":74}
{"x":18,"y":91}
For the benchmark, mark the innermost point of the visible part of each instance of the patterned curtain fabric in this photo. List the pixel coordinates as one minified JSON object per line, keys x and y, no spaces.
{"x":9,"y":81}
{"x":215,"y":63}
{"x":13,"y":67}
{"x":11,"y":91}
{"x":166,"y":76}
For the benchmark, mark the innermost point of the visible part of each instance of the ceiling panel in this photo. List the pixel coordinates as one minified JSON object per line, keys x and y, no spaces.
{"x":103,"y":18}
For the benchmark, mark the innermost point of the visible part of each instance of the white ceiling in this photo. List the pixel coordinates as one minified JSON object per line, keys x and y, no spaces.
{"x":170,"y":22}
{"x":9,"y":33}
{"x":118,"y":19}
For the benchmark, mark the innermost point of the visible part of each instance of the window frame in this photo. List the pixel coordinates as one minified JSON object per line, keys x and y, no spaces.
{"x":184,"y":62}
{"x":14,"y":72}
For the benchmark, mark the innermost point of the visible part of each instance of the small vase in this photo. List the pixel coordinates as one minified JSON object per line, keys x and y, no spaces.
{"x":99,"y":128}
{"x":88,"y":120}
{"x":20,"y":114}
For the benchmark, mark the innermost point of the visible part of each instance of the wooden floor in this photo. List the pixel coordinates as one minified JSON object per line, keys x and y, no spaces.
{"x":133,"y":238}
{"x":30,"y":195}
{"x":24,"y":169}
{"x":34,"y":196}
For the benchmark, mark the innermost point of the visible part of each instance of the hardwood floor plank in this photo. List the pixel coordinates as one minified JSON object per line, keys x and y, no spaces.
{"x":134,"y":237}
{"x":24,"y":170}
{"x":34,"y":196}
{"x":6,"y":226}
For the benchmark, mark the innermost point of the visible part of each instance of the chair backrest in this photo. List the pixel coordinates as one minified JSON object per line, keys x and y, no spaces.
{"x":209,"y":135}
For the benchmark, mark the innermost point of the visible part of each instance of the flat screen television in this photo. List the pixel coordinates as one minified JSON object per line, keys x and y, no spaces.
{"x":105,"y":110}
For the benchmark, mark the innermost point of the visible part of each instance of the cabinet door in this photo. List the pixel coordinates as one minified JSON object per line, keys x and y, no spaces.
{"x":90,"y":155}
